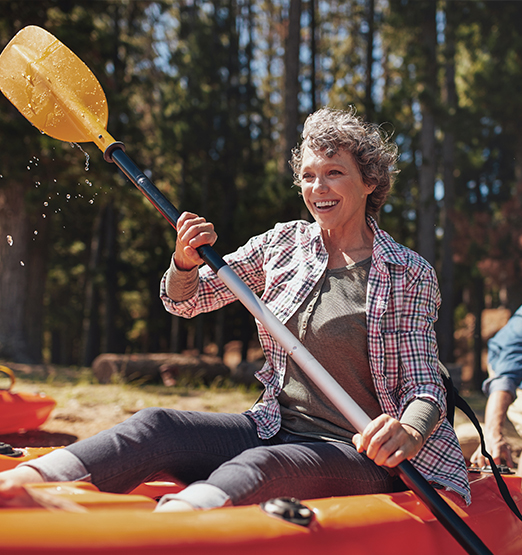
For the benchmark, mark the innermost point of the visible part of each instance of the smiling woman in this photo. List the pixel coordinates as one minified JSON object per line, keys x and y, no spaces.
{"x":363,"y":305}
{"x":336,"y":196}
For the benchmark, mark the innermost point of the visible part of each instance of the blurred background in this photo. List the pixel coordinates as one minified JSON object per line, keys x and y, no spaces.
{"x":209,"y":98}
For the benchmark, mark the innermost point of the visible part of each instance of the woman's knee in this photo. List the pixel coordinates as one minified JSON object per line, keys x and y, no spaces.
{"x":152,"y":416}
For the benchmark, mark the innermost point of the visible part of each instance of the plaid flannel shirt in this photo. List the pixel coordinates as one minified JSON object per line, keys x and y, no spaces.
{"x":402,"y":301}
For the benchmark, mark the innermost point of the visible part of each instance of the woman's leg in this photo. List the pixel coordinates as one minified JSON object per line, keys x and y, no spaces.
{"x":188,"y":446}
{"x":302,"y":469}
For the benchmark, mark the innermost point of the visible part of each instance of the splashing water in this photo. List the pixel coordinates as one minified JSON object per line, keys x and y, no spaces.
{"x":87,"y":157}
{"x":10,"y":240}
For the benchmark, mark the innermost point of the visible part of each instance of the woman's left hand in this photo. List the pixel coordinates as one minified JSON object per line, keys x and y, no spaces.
{"x":388,"y":442}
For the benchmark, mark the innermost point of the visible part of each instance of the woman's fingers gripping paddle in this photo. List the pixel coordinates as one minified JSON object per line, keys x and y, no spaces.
{"x":193,"y":232}
{"x":388,"y":442}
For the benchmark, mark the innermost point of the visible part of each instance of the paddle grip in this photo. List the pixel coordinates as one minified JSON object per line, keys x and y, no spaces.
{"x":444,"y":513}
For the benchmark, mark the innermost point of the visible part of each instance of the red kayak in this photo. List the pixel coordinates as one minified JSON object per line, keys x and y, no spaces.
{"x":98,"y":523}
{"x":22,"y":411}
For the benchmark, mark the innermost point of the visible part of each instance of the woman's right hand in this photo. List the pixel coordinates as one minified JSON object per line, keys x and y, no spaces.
{"x":193,"y":232}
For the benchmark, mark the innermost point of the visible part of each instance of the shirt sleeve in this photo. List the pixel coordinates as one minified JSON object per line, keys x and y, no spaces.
{"x":420,"y":377}
{"x":181,"y":285}
{"x":421,"y":415}
{"x":210,"y":293}
{"x":505,"y":357}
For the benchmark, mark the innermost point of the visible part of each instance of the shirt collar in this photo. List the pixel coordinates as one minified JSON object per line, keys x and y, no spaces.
{"x":385,"y":248}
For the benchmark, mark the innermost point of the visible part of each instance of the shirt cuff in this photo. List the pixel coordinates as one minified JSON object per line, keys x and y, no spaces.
{"x":499,"y":383}
{"x":422,"y":415}
{"x":181,"y":285}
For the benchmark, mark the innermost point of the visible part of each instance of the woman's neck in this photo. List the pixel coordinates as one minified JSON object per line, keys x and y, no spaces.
{"x":348,"y":249}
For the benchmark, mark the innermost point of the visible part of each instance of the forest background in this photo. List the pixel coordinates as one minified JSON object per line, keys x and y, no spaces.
{"x":209,"y":98}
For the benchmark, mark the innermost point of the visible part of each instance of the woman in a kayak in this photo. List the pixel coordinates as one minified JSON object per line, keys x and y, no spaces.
{"x":362,"y":304}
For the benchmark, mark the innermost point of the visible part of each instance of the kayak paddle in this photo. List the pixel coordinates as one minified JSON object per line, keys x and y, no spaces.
{"x":58,"y":93}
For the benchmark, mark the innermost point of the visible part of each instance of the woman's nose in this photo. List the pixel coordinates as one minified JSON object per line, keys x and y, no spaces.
{"x":319,"y":184}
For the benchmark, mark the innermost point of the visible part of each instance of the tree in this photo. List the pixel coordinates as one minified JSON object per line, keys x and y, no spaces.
{"x":291,"y":87}
{"x":445,"y":324}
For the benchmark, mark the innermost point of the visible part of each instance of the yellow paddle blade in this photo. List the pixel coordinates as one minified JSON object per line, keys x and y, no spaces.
{"x":53,"y":88}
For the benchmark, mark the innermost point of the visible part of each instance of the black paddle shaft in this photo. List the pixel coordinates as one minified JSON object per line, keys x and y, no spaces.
{"x":410,"y":476}
{"x":115,"y":153}
{"x":444,"y":513}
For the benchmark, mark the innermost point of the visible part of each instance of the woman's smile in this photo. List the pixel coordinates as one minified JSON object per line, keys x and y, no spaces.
{"x":334,"y":191}
{"x":326,"y":204}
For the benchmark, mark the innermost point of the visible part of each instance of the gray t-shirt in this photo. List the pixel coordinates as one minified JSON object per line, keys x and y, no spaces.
{"x":331,"y":324}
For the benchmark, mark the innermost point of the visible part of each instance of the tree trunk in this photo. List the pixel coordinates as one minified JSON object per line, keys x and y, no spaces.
{"x":427,"y":208}
{"x":478,"y":307}
{"x":514,"y":289}
{"x":14,"y":274}
{"x":445,"y":324}
{"x":37,"y":249}
{"x":91,"y":321}
{"x":313,"y":54}
{"x":368,"y":102}
{"x":291,"y":104}
{"x":109,"y":341}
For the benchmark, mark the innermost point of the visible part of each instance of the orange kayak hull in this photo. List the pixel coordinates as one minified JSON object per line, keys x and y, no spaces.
{"x":23,"y":411}
{"x":395,"y":524}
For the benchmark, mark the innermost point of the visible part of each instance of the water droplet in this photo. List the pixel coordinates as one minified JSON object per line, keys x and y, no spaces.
{"x":22,"y":263}
{"x":88,"y":183}
{"x":46,"y":203}
{"x":91,"y":201}
{"x":68,"y":196}
{"x":87,"y":157}
{"x":10,"y":240}
{"x":44,"y":216}
{"x":35,"y":232}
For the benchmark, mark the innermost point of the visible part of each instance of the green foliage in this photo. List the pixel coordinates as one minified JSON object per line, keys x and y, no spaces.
{"x":195,"y":93}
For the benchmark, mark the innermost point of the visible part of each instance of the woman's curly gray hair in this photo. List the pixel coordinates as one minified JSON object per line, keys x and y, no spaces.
{"x":331,"y":130}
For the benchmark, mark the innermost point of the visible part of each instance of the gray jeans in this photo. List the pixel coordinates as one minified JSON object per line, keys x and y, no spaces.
{"x":215,"y":453}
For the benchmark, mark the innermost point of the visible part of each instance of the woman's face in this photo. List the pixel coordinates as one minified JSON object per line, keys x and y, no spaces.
{"x":333,"y":190}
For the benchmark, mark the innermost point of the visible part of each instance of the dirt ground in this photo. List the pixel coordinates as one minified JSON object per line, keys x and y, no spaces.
{"x":85,"y":407}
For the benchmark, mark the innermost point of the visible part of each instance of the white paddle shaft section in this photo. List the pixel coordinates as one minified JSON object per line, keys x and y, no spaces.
{"x":315,"y":371}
